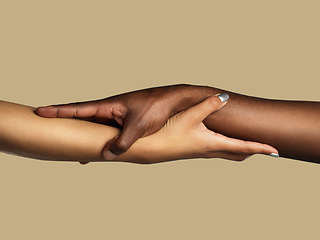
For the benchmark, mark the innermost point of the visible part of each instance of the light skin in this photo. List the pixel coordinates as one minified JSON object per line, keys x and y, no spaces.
{"x":184,"y":136}
{"x":139,"y":113}
{"x":292,"y":127}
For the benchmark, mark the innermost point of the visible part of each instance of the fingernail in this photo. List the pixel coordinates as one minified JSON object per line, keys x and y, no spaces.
{"x":223,"y":97}
{"x":108,"y":155}
{"x":274,"y":155}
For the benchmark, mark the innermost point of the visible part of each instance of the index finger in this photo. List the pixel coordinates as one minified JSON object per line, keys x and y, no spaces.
{"x":85,"y":109}
{"x":246,"y":147}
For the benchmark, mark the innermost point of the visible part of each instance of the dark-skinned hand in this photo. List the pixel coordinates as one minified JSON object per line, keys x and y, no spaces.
{"x":139,"y":113}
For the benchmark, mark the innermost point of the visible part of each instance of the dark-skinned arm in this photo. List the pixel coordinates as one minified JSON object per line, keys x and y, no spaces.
{"x":292,"y":127}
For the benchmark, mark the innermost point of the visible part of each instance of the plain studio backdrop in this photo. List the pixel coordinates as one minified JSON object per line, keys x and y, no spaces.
{"x":66,"y":51}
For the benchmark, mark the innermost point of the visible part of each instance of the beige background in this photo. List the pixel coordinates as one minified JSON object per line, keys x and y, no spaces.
{"x":61,"y":51}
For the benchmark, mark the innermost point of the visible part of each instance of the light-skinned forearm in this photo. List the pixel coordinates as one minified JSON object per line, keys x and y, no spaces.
{"x":24,"y":133}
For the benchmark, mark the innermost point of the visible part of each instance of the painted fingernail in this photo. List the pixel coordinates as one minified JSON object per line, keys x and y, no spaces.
{"x":223,"y":97}
{"x":108,"y":155}
{"x":274,"y":155}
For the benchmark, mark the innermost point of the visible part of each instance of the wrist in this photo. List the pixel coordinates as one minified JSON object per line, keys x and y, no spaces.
{"x":185,"y":96}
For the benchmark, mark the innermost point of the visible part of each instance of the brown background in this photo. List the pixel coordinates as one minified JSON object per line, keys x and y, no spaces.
{"x":67,"y":51}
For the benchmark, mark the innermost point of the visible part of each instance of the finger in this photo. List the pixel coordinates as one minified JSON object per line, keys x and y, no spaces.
{"x":245,"y":147}
{"x":202,"y":110}
{"x":227,"y":155}
{"x":83,"y":163}
{"x":85,"y":109}
{"x":131,"y":132}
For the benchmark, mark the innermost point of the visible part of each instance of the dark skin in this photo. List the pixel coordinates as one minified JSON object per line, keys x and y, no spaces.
{"x":139,"y":113}
{"x":292,"y":127}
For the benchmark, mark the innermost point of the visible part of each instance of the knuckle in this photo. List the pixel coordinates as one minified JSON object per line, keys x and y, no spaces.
{"x":252,"y":149}
{"x":246,"y":149}
{"x":213,"y":102}
{"x":261,"y":148}
{"x":121,"y":146}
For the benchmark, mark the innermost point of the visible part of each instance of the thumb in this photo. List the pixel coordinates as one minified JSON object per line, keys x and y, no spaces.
{"x":202,"y":110}
{"x":84,"y":109}
{"x":128,"y":136}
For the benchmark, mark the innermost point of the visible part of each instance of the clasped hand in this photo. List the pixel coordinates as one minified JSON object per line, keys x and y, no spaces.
{"x":167,"y":120}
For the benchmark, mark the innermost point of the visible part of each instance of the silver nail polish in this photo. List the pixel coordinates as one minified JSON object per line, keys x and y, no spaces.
{"x":223,"y":97}
{"x":274,"y":155}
